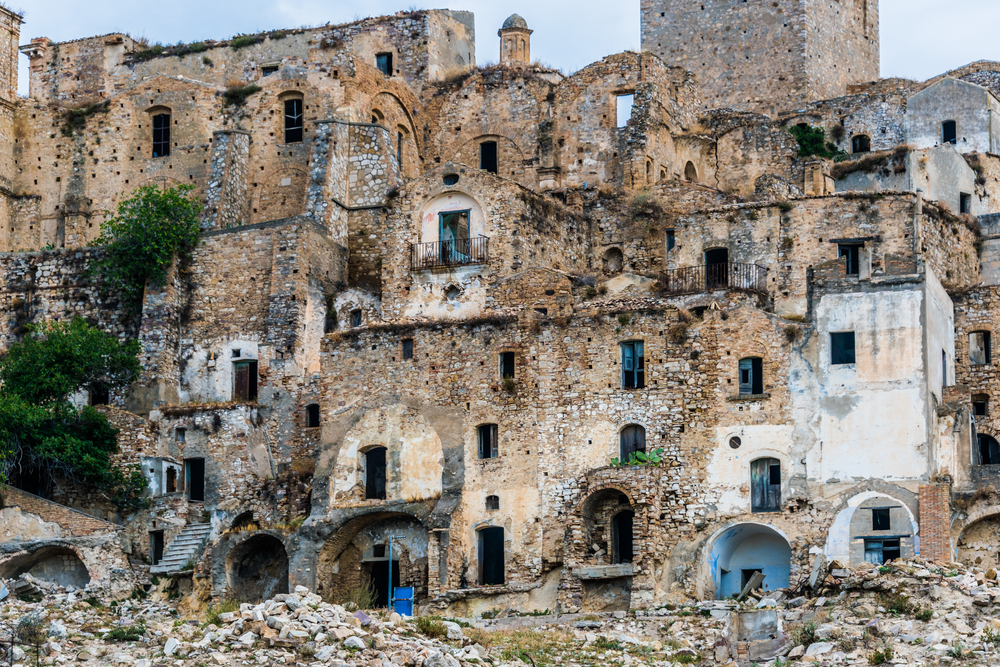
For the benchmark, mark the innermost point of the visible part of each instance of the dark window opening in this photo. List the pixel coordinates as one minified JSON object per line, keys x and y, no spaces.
{"x":156,"y":546}
{"x":671,"y":240}
{"x":161,"y":135}
{"x":691,"y":172}
{"x":980,"y":405}
{"x":171,"y":480}
{"x":293,"y":121}
{"x":879,"y":552}
{"x":633,"y":365}
{"x":399,"y":149}
{"x":492,"y":502}
{"x":949,"y":132}
{"x":383,"y":63}
{"x":245,"y":380}
{"x":312,"y":415}
{"x":944,"y":368}
{"x":989,"y":450}
{"x":964,"y":203}
{"x":355,"y":318}
{"x":491,"y":565}
{"x":407,"y":348}
{"x":842,"y":347}
{"x":632,"y":439}
{"x":378,"y":551}
{"x":488,"y":446}
{"x":980,"y":352}
{"x":451,"y":179}
{"x":488,"y":157}
{"x":621,"y":537}
{"x":506,"y":365}
{"x":751,"y":376}
{"x":853,"y":255}
{"x":269,"y":70}
{"x":236,"y":353}
{"x":180,"y":435}
{"x":765,"y":485}
{"x":880,"y":518}
{"x":746,"y":576}
{"x":861,"y":144}
{"x":100,"y":395}
{"x":194,"y":479}
{"x":375,"y":474}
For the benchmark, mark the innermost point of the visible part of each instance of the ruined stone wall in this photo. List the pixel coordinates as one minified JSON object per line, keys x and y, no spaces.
{"x":978,"y":309}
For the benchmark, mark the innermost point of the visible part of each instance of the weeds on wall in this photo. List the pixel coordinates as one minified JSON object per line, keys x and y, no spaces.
{"x":75,"y":120}
{"x":236,"y":96}
{"x":813,"y":143}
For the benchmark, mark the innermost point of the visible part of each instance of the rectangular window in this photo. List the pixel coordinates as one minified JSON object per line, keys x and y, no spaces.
{"x":979,"y":407}
{"x":245,"y":380}
{"x":944,"y":368}
{"x":194,"y":479}
{"x":355,"y":318}
{"x":492,"y":502}
{"x":633,"y":365}
{"x":765,"y":485}
{"x":100,"y":396}
{"x":269,"y":70}
{"x":383,"y":62}
{"x":399,"y":149}
{"x":623,"y":109}
{"x":161,"y":135}
{"x":879,"y":552}
{"x":181,"y":435}
{"x":852,"y":253}
{"x":671,"y":241}
{"x":842,"y":347}
{"x":880,"y":518}
{"x":979,"y":348}
{"x":506,"y":365}
{"x":488,"y":447}
{"x":156,"y":546}
{"x":488,"y":157}
{"x":949,"y":132}
{"x":293,"y":121}
{"x":407,"y":348}
{"x":312,"y":416}
{"x":375,"y":474}
{"x":964,"y":203}
{"x":751,"y":376}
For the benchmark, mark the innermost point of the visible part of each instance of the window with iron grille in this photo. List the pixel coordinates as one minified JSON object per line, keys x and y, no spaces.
{"x":161,"y":135}
{"x":293,"y":121}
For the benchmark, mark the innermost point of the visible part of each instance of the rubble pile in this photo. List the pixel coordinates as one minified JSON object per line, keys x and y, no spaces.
{"x":905,"y":613}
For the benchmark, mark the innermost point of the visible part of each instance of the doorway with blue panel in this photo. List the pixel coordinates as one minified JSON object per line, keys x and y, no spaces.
{"x":454,"y":233}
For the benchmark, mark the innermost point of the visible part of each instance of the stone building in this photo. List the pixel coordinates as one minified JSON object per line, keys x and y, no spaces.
{"x":440,"y":313}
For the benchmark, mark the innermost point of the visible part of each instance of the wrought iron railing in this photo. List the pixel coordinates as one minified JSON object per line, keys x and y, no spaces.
{"x":449,"y":253}
{"x":729,"y":275}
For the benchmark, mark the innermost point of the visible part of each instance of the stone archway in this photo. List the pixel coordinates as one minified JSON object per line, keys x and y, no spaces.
{"x":257,"y":568}
{"x":357,"y":557}
{"x":979,"y":542}
{"x":56,"y":563}
{"x":733,"y":554}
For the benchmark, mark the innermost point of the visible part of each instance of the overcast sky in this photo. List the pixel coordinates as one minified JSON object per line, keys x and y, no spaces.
{"x":920,"y":38}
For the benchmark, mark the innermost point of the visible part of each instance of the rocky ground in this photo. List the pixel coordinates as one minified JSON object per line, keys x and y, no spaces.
{"x":905,"y":613}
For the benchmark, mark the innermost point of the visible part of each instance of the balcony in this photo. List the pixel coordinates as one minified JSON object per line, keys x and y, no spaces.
{"x":708,"y":277}
{"x":440,"y":254}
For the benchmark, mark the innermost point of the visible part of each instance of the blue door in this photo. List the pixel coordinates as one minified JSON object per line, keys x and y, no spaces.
{"x":402,"y":600}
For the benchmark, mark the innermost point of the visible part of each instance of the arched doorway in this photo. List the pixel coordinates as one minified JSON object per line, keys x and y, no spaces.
{"x":737,"y":552}
{"x":979,"y":543}
{"x":58,"y":564}
{"x":691,"y":172}
{"x":257,"y":568}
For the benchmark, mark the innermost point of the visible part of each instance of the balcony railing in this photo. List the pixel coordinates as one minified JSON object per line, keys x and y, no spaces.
{"x":708,"y":277}
{"x":459,"y":252}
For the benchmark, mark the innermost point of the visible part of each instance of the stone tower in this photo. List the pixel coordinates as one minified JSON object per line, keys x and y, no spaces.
{"x":768,"y":55}
{"x":10,"y":33}
{"x":515,"y":41}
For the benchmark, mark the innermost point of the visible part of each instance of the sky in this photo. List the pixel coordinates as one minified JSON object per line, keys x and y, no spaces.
{"x":920,"y":38}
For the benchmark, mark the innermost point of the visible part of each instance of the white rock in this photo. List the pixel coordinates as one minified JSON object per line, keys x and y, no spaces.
{"x":355,"y":642}
{"x":171,"y":646}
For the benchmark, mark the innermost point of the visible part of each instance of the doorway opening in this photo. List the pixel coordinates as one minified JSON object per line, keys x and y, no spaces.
{"x":621,"y":537}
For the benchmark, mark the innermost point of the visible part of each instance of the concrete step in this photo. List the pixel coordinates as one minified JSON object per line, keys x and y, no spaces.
{"x":184,"y":548}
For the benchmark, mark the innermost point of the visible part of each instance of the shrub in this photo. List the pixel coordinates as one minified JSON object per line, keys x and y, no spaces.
{"x":244,"y":41}
{"x":207,"y":61}
{"x":677,"y":334}
{"x":127,"y":633}
{"x":591,"y":292}
{"x":924,"y":615}
{"x":361,"y":597}
{"x":812,"y":142}
{"x":792,"y":333}
{"x":897,"y":604}
{"x":881,"y":656}
{"x":213,"y":611}
{"x":804,"y":634}
{"x":509,"y":384}
{"x":785,"y":206}
{"x":31,"y":629}
{"x":236,"y":96}
{"x":76,"y":119}
{"x":607,"y":644}
{"x":430,"y":627}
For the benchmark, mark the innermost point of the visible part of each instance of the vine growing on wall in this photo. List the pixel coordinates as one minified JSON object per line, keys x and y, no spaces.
{"x":143,"y":237}
{"x":42,"y":433}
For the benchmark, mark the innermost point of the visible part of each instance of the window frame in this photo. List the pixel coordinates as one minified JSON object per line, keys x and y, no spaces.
{"x":853,"y":350}
{"x":508,"y":360}
{"x":253,"y":380}
{"x":492,"y":502}
{"x":765,"y":485}
{"x":635,"y":377}
{"x":372,"y":490}
{"x":986,"y":347}
{"x":964,"y":203}
{"x":312,"y":415}
{"x":357,"y":318}
{"x":629,"y":441}
{"x":880,"y":513}
{"x":487,"y":440}
{"x":993,"y":449}
{"x":161,"y":134}
{"x":856,"y":139}
{"x":852,"y":251}
{"x":895,"y":545}
{"x":671,"y":239}
{"x":754,"y":384}
{"x":407,"y":345}
{"x":385,"y":57}
{"x":293,"y":130}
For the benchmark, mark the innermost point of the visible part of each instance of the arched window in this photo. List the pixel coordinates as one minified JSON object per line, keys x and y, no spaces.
{"x":649,"y":172}
{"x":989,"y":450}
{"x":492,"y":502}
{"x":632,"y":439}
{"x":377,"y":116}
{"x":949,"y":132}
{"x":293,"y":120}
{"x":765,"y":485}
{"x":614,"y":260}
{"x":488,"y":446}
{"x":751,"y":376}
{"x":691,"y":172}
{"x":375,"y":474}
{"x":312,"y":415}
{"x":861,"y":143}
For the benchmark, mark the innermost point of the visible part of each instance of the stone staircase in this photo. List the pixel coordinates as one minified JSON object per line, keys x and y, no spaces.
{"x":185,"y":547}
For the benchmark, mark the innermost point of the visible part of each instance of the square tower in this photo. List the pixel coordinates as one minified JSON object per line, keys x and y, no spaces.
{"x":766,"y":55}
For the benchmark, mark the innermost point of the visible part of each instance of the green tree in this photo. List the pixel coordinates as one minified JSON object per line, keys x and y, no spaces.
{"x":41,"y":430}
{"x":812,"y":141}
{"x":143,"y":237}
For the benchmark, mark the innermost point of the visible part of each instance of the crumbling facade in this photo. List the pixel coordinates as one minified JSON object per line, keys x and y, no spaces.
{"x":518,"y":338}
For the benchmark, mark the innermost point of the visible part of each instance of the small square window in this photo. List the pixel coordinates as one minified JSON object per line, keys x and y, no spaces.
{"x":492,"y":502}
{"x":842,"y":348}
{"x":880,"y":518}
{"x":378,"y":551}
{"x":980,"y":405}
{"x":236,"y":353}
